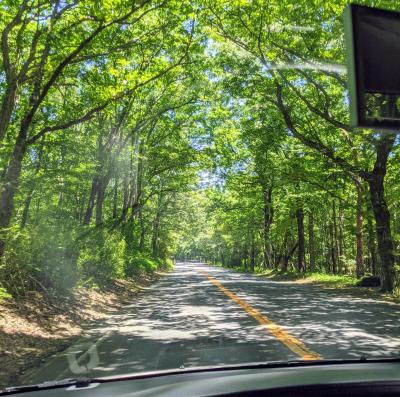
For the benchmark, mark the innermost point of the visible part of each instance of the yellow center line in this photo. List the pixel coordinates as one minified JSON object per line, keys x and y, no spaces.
{"x":290,"y":341}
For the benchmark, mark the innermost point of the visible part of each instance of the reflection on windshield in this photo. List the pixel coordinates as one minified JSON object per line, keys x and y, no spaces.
{"x":179,"y":188}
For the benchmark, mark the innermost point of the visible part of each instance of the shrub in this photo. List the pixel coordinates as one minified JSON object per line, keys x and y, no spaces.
{"x":168,"y":264}
{"x":4,"y":294}
{"x":141,"y":263}
{"x":38,"y":258}
{"x":49,"y":258}
{"x":101,"y":257}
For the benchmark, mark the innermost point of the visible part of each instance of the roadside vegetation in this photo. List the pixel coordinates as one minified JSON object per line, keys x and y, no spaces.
{"x":134,"y":132}
{"x":330,"y":280}
{"x":35,"y":327}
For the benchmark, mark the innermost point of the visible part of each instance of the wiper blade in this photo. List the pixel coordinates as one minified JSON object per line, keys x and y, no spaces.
{"x":78,"y":383}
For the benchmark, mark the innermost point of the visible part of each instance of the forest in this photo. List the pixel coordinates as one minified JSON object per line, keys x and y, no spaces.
{"x":134,"y":132}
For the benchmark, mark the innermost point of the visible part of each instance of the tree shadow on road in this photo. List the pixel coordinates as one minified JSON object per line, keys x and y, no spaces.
{"x":185,"y":321}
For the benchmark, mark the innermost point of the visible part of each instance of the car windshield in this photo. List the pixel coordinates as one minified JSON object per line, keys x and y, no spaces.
{"x":180,"y":187}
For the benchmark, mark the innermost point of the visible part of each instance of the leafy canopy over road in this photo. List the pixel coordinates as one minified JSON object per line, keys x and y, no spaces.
{"x":133,"y":131}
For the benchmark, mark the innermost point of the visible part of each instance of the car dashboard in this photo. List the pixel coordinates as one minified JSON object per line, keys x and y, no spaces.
{"x":317,"y":379}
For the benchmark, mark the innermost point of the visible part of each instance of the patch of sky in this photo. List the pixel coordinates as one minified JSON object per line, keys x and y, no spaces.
{"x":167,"y":56}
{"x":240,"y":166}
{"x":49,"y":113}
{"x":328,"y":25}
{"x":346,"y":98}
{"x":211,"y":49}
{"x":289,"y":132}
{"x":212,"y":76}
{"x":88,"y":64}
{"x":189,"y":25}
{"x":300,"y":82}
{"x":62,"y":4}
{"x":44,"y":17}
{"x":209,"y":179}
{"x":33,"y":154}
{"x":200,"y":143}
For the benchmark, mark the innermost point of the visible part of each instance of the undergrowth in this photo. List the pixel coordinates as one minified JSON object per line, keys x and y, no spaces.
{"x":53,"y":260}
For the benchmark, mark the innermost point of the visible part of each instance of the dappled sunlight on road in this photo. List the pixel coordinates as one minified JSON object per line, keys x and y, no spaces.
{"x":333,"y":324}
{"x":184,"y":320}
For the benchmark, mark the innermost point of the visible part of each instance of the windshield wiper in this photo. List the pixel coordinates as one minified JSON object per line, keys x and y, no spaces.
{"x":77,"y":383}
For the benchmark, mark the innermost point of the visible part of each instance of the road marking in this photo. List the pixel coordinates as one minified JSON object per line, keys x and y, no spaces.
{"x":60,"y":355}
{"x":290,"y":341}
{"x":92,"y":349}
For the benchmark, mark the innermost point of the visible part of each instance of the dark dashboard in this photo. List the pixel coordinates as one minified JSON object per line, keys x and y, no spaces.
{"x":340,"y":379}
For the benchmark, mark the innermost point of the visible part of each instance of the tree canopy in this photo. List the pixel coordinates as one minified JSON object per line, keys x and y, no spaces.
{"x":133,"y":132}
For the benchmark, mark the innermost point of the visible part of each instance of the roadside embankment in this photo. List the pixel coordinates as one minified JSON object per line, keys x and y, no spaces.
{"x":34,"y":327}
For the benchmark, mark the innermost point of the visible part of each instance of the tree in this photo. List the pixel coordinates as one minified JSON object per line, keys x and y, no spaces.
{"x":305,"y":97}
{"x":61,"y":48}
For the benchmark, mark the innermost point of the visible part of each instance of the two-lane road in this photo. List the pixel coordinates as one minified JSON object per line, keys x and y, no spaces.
{"x":200,"y":315}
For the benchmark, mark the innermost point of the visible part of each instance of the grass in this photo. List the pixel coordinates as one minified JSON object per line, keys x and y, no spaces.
{"x":4,"y":294}
{"x":331,"y":280}
{"x":308,"y":277}
{"x":338,"y":282}
{"x":328,"y":280}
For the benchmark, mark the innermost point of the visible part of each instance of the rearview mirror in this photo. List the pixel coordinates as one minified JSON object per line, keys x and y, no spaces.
{"x":373,"y":58}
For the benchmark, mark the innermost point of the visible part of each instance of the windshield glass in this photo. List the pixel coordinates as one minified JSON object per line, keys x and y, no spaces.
{"x":180,"y":187}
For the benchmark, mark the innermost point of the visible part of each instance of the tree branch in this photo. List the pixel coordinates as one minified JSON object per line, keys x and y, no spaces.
{"x":87,"y":116}
{"x":317,"y":145}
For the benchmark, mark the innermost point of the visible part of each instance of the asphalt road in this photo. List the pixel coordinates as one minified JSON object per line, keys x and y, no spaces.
{"x":200,"y":315}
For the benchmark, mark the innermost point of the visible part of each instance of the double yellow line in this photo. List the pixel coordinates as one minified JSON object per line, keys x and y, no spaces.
{"x":291,"y":342}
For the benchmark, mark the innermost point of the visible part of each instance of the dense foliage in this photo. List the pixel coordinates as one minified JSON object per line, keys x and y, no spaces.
{"x":131,"y":132}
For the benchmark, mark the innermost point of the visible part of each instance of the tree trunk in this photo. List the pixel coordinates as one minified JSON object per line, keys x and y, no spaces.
{"x":371,"y":240}
{"x":142,"y":231}
{"x":137,"y":186}
{"x":268,"y":217}
{"x":155,"y":237}
{"x":60,"y":200}
{"x":300,"y":237}
{"x":27,"y":204}
{"x":359,"y":230}
{"x":311,"y":240}
{"x":82,"y":206}
{"x":336,"y":238}
{"x":252,"y":255}
{"x":101,"y":190}
{"x":341,"y":240}
{"x":375,"y":181}
{"x":7,"y":107}
{"x":115,"y":199}
{"x":332,"y":252}
{"x":31,"y":191}
{"x":286,"y":257}
{"x":92,"y":198}
{"x":125,"y":205}
{"x":383,"y":232}
{"x":245,"y":256}
{"x":9,"y":186}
